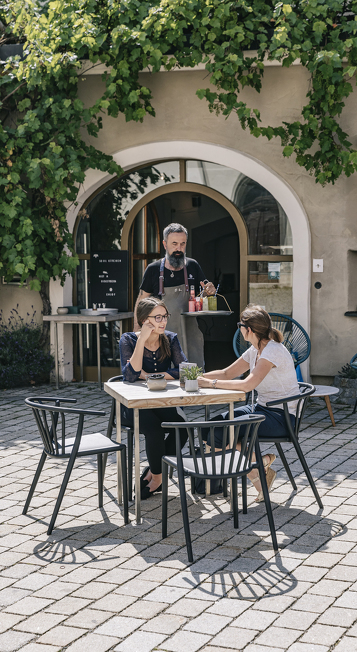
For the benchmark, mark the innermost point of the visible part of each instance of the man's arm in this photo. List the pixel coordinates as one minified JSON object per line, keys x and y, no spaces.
{"x":142,"y":295}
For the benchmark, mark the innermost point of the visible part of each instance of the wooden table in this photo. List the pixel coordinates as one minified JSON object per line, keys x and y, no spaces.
{"x":84,"y":319}
{"x":137,"y":395}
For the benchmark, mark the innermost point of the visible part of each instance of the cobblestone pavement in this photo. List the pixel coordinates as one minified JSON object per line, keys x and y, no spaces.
{"x":95,"y":585}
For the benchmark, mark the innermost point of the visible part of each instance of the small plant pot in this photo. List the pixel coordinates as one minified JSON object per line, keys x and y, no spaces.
{"x":62,"y":311}
{"x":191,"y":385}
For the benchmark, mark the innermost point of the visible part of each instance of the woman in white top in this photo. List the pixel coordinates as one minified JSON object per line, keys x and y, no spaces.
{"x":272,"y":374}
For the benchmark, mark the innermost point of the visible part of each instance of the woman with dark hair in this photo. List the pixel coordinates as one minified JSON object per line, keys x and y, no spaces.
{"x":152,"y":350}
{"x":272,"y":374}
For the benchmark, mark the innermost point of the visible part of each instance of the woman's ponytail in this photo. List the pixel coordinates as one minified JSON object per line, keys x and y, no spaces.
{"x":276,"y":335}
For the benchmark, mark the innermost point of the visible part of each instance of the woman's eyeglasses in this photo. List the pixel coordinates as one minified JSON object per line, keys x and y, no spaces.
{"x":160,"y":318}
{"x":240,"y":324}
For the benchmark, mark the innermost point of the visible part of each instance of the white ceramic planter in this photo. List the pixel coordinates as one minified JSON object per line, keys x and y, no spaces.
{"x":191,"y":385}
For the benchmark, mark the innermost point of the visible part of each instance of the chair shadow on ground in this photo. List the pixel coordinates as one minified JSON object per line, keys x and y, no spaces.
{"x":230,"y":563}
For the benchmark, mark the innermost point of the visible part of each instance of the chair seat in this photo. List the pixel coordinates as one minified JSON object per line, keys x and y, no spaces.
{"x":90,"y":444}
{"x":189,"y":465}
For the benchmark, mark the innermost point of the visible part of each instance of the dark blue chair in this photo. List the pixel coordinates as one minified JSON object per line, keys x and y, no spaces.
{"x":295,"y":337}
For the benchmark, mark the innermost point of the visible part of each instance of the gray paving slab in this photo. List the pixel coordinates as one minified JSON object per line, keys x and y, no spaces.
{"x":96,"y":584}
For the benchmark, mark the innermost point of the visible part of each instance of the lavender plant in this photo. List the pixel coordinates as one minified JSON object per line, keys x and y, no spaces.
{"x":23,"y":360}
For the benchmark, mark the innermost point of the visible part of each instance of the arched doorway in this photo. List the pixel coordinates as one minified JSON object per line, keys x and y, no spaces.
{"x":251,"y":225}
{"x":213,"y":240}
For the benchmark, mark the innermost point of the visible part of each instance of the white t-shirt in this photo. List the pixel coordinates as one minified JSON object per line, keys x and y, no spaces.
{"x":281,"y":381}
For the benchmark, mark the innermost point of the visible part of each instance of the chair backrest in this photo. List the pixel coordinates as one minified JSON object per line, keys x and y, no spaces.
{"x":353,"y":362}
{"x":223,"y":463}
{"x":306,"y":389}
{"x":295,"y":338}
{"x":51,"y":421}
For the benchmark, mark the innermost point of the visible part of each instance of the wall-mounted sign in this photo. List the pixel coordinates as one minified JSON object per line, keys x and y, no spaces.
{"x":274,"y":271}
{"x":109,"y":279}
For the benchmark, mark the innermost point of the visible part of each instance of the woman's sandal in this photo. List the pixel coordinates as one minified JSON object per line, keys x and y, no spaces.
{"x":271,"y":475}
{"x":272,"y":459}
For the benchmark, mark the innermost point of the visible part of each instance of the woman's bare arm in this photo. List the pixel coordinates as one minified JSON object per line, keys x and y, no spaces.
{"x":252,"y":381}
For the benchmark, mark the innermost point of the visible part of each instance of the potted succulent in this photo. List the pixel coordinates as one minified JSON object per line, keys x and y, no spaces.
{"x":190,"y":375}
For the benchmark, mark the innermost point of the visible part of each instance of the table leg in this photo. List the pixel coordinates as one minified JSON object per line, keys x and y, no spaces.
{"x":207,"y":449}
{"x":119,"y":474}
{"x":231,"y":437}
{"x":80,"y":333}
{"x":113,"y":341}
{"x":56,"y":355}
{"x":98,"y":357}
{"x":137,"y":467}
{"x":329,"y":408}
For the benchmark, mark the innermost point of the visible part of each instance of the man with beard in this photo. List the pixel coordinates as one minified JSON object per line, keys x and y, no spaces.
{"x":171,"y":279}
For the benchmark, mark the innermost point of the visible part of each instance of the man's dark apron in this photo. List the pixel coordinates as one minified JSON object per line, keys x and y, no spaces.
{"x":188,"y":333}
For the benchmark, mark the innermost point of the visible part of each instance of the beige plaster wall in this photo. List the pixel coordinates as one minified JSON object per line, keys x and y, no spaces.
{"x":23,"y":300}
{"x":331,"y":210}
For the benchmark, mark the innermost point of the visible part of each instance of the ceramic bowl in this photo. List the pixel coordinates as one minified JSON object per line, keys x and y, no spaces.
{"x":156,"y":382}
{"x":62,"y":311}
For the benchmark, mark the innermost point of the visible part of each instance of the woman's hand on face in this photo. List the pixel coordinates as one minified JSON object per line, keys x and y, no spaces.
{"x":204,"y":382}
{"x":146,"y":330}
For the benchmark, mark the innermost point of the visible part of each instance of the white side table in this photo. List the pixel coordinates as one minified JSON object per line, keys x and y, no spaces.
{"x":326,"y":391}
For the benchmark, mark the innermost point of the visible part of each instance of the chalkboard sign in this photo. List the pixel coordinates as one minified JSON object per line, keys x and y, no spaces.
{"x":109,"y":279}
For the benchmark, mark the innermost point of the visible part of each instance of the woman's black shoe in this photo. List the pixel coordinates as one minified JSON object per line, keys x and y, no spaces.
{"x":146,"y":493}
{"x":143,"y":482}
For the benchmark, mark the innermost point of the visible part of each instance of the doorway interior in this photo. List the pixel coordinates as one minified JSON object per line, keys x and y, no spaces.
{"x":213,"y":241}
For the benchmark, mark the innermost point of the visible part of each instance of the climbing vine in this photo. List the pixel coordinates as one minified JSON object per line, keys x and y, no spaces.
{"x":44,"y":153}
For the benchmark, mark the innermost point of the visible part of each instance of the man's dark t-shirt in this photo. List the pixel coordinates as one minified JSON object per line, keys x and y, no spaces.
{"x":150,"y":282}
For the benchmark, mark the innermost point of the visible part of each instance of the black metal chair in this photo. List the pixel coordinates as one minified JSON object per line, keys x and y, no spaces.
{"x":292,"y":434}
{"x":295,"y":337}
{"x":217,"y":464}
{"x":51,"y":421}
{"x":129,"y":434}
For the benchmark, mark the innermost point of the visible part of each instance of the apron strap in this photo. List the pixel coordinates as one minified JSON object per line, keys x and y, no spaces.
{"x":185,"y":276}
{"x":161,"y":277}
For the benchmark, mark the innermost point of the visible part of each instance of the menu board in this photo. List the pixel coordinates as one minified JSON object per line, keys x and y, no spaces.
{"x":109,"y":279}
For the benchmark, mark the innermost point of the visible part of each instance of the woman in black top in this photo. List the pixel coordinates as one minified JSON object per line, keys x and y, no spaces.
{"x":152,"y":350}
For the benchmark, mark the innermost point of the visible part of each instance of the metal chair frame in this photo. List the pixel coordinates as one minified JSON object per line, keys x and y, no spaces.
{"x":53,"y":435}
{"x":279,"y":320}
{"x":353,"y":364}
{"x":216,"y":465}
{"x":293,"y":434}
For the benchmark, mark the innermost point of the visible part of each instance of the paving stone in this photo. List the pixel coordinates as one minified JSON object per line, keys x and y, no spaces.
{"x":39,"y":623}
{"x":314,"y":603}
{"x":188,"y":607}
{"x":278,"y":636}
{"x":167,"y":594}
{"x":11,"y":640}
{"x":112,"y":602}
{"x":144,"y":609}
{"x":323,"y":635}
{"x":208,"y":623}
{"x":308,"y":647}
{"x":255,"y":620}
{"x":7,"y":621}
{"x":296,"y":619}
{"x":165,"y":624}
{"x":68,"y":605}
{"x":188,"y":641}
{"x":38,"y":647}
{"x":232,"y":637}
{"x":28,"y":606}
{"x":93,"y":642}
{"x":120,"y":626}
{"x":143,"y":641}
{"x":88,"y":618}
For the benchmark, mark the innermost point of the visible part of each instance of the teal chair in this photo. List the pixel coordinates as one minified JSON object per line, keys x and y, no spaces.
{"x":295,"y":339}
